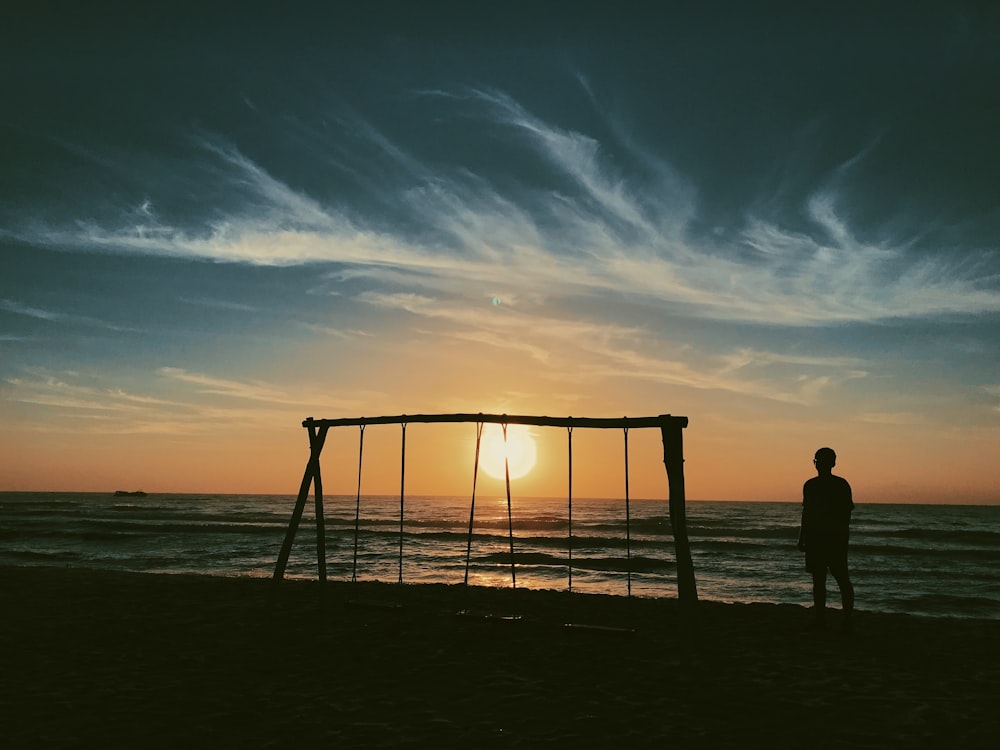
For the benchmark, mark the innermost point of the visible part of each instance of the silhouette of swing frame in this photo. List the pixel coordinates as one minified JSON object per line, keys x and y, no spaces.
{"x":671,"y":431}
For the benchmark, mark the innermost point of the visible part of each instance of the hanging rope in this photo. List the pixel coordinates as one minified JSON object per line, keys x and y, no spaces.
{"x":569,"y":495}
{"x":628,"y":521}
{"x":357,"y":504}
{"x":510,"y":518}
{"x":472,"y":506}
{"x":402,"y":482}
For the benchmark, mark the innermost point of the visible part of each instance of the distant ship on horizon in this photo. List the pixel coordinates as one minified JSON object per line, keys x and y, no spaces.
{"x":124,"y":493}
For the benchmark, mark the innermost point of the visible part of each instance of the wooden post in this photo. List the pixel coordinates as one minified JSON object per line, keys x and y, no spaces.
{"x":318,"y":496}
{"x":312,"y":469}
{"x":672,"y":432}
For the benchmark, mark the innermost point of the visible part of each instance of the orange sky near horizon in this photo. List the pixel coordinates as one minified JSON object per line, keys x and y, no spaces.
{"x":439,"y":461}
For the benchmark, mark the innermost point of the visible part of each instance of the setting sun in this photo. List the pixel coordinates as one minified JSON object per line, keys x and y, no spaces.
{"x":519,"y":450}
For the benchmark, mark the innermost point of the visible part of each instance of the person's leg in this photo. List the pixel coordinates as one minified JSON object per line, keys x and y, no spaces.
{"x":843,"y":579}
{"x":819,"y":590}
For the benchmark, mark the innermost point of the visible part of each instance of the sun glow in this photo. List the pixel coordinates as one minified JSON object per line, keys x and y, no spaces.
{"x":519,"y":450}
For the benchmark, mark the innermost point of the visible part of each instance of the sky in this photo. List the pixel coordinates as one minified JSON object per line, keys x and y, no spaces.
{"x":779,"y":220}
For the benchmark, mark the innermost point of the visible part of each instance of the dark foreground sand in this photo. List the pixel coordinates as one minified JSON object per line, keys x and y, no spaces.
{"x":127,"y":660}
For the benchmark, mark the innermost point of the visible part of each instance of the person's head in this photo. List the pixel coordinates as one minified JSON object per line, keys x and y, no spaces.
{"x":825,"y":460}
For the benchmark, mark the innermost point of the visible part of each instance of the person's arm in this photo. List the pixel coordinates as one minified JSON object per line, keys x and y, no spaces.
{"x":802,"y":523}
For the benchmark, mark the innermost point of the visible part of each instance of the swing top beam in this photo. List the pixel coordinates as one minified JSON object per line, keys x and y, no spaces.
{"x":663,"y":420}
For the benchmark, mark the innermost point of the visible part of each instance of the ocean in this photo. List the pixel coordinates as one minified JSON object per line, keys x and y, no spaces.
{"x":931,"y":560}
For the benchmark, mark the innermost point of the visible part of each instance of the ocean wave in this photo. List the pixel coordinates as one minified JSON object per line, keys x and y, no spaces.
{"x":33,"y":556}
{"x":938,"y":553}
{"x":948,"y":536}
{"x":636,"y":564}
{"x":737,"y":532}
{"x":946,"y":605}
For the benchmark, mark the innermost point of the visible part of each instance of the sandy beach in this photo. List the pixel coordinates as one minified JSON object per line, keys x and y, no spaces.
{"x":107,"y":659}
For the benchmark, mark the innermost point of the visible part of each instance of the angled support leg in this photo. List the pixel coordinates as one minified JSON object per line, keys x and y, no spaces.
{"x":316,"y":441}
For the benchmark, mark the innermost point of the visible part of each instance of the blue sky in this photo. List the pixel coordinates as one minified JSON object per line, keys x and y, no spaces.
{"x":779,"y":222}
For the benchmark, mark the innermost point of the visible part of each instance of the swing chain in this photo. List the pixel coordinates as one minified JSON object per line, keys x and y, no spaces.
{"x":628,"y":521}
{"x":472,"y":505}
{"x":357,"y":505}
{"x":569,"y":501}
{"x":510,"y":517}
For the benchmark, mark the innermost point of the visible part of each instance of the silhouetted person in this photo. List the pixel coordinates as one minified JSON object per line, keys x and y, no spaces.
{"x":826,"y":521}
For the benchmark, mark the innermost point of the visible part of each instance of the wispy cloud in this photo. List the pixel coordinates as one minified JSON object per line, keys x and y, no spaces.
{"x":53,"y":316}
{"x":333,"y":332}
{"x":581,"y":351}
{"x":994,"y":390}
{"x":68,"y":397}
{"x":215,"y":386}
{"x":903,"y":419}
{"x":604,"y":191}
{"x":31,"y":312}
{"x":609,"y":231}
{"x":203,"y":404}
{"x":259,"y":392}
{"x":219,"y":304}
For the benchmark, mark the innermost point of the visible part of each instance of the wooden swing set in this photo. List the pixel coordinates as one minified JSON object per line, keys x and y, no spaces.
{"x":671,"y":430}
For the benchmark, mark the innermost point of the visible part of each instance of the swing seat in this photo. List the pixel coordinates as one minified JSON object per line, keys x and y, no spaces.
{"x":579,"y":627}
{"x":489,"y":617}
